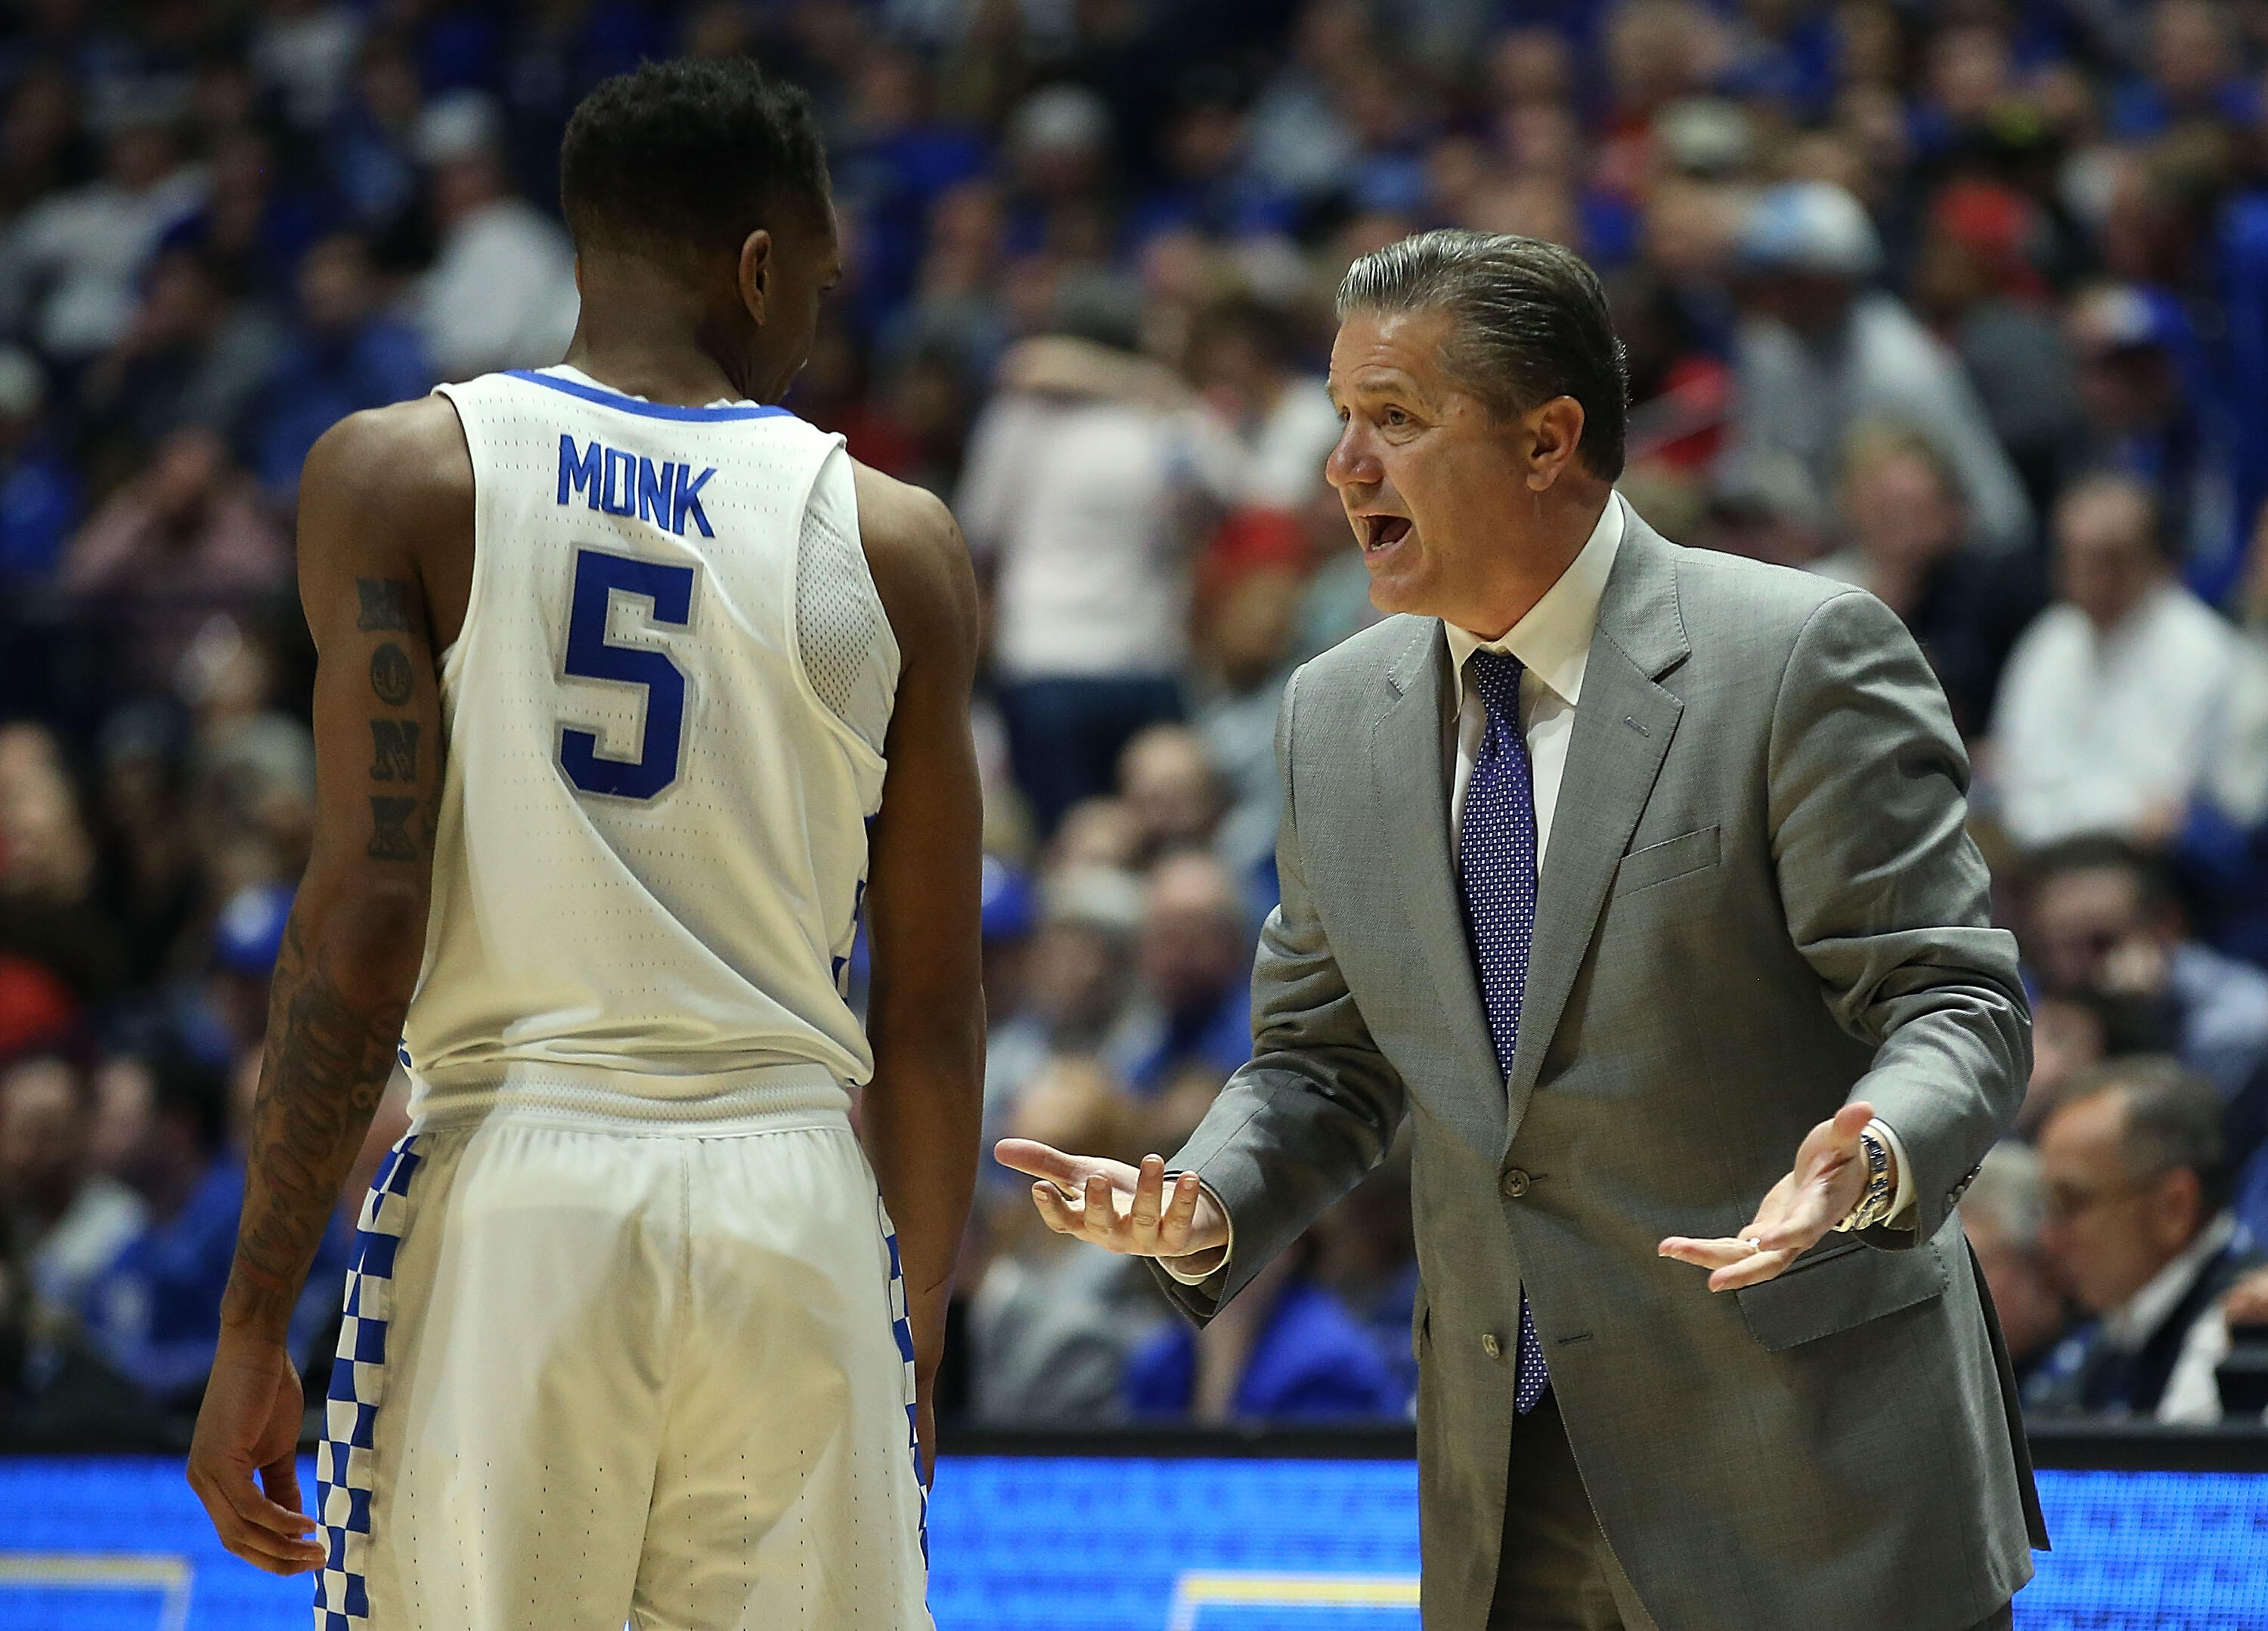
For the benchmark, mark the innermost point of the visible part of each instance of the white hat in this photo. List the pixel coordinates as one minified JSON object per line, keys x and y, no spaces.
{"x":1810,"y":227}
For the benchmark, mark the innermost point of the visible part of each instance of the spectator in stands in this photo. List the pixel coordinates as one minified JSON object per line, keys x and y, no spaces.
{"x":501,"y":292}
{"x":69,"y":265}
{"x":191,"y":355}
{"x":1197,"y":969}
{"x":150,"y":877}
{"x":2138,"y":1227}
{"x":1820,"y":352}
{"x":2101,"y":922}
{"x":1976,"y":280}
{"x":1170,"y":786}
{"x":1079,"y":981}
{"x":2109,"y":703}
{"x":2220,"y":851}
{"x":2004,"y":1213}
{"x":1272,"y":424}
{"x":1073,"y":501}
{"x":347,"y":353}
{"x":2194,"y":73}
{"x":1906,"y":542}
{"x":1284,"y":1351}
{"x":185,"y":539}
{"x":2147,"y":413}
{"x":41,"y":490}
{"x":155,"y":1313}
{"x":1053,"y":1319}
{"x":48,"y":913}
{"x":69,"y":1221}
{"x":303,"y":52}
{"x":1248,"y":647}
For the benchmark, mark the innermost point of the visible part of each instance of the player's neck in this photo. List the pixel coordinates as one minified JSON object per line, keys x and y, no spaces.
{"x":639,"y":332}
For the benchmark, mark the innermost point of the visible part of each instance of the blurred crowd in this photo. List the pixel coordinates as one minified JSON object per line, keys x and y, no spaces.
{"x":1962,"y":301}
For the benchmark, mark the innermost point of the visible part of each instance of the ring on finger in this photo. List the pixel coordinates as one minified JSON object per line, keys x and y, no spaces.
{"x":1756,"y":1247}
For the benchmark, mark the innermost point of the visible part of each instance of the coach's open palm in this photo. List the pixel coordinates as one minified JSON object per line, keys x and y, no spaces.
{"x":1124,"y":1207}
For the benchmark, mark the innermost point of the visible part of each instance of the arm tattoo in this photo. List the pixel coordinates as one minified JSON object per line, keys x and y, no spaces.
{"x":389,"y":674}
{"x":389,"y":819}
{"x":393,"y":750}
{"x":326,"y":1065}
{"x":385,"y":606}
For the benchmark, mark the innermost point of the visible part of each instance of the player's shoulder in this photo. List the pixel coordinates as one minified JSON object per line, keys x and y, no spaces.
{"x":916,"y":554}
{"x":410,"y":457}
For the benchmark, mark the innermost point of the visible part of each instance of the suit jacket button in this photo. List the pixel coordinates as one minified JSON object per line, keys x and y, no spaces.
{"x":1490,"y":1345}
{"x":1514,"y":1184}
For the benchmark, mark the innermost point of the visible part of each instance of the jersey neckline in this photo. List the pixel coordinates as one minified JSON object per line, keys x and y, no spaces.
{"x":590,"y":391}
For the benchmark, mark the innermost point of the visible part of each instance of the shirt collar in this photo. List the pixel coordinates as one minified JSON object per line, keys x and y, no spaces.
{"x":1553,"y":641}
{"x":2133,"y":1323}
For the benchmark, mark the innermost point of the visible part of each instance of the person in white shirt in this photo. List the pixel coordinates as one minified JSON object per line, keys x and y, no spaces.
{"x":2139,"y":1228}
{"x":2110,"y":702}
{"x":1073,"y":499}
{"x":501,"y":292}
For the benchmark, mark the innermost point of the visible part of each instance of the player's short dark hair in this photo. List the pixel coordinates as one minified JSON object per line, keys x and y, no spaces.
{"x":689,"y":155}
{"x":1531,"y":324}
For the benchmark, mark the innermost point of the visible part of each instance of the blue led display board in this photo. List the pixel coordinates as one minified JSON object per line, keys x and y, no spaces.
{"x":1128,"y":1544}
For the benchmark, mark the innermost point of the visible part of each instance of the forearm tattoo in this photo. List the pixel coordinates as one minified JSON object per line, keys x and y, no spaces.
{"x":325,"y":1067}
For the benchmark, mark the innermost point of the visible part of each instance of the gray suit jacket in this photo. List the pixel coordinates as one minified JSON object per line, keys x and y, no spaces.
{"x":1759,"y":903}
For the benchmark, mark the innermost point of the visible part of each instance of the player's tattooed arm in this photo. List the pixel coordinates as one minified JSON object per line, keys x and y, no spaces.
{"x":385,"y":513}
{"x":324,"y":1070}
{"x":356,"y":931}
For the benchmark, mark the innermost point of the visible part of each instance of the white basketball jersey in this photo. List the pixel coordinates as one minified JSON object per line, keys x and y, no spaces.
{"x":664,"y":719}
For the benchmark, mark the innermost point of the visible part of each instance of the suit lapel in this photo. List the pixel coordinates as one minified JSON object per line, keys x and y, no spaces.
{"x":1623,"y":728}
{"x":1407,"y":758}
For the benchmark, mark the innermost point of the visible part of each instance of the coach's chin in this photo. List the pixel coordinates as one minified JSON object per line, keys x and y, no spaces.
{"x":1637,"y":878}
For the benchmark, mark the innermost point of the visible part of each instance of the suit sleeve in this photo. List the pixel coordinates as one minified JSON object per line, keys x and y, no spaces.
{"x":1317,"y":1106}
{"x":1887,"y":897}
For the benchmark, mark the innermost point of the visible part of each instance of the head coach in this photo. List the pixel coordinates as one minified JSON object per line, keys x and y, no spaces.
{"x":1638,"y":877}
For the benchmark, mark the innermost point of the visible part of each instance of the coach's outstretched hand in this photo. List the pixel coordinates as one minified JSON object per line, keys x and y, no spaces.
{"x":1828,"y":1177}
{"x":1112,"y":1204}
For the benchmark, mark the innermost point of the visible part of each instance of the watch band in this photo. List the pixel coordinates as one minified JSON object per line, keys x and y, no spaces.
{"x":1874,"y":1204}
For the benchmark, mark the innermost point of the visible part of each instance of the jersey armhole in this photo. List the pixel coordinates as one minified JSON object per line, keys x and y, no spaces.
{"x":450,"y":663}
{"x":830,"y":523}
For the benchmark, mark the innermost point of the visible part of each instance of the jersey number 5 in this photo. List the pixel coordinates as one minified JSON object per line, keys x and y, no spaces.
{"x":668,"y":589}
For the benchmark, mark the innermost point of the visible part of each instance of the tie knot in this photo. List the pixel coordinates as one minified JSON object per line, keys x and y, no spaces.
{"x":1498,"y":674}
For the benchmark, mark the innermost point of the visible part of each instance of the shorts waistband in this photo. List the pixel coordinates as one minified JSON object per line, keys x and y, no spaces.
{"x":767,"y":1098}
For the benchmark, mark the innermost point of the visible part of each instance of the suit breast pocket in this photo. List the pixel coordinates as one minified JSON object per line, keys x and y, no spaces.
{"x":1668,"y":861}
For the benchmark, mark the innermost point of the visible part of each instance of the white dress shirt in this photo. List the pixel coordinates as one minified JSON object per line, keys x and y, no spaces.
{"x":2193,"y":1393}
{"x":2096,"y":733}
{"x":1553,"y":646}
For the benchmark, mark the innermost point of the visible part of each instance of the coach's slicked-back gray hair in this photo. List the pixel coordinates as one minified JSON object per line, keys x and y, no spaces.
{"x":1531,"y":324}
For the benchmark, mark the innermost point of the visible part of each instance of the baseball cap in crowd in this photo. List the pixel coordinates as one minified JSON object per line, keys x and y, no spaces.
{"x":1093,"y":897}
{"x":1810,"y":227}
{"x":249,"y":933}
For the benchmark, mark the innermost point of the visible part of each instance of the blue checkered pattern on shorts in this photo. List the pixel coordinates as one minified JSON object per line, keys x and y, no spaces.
{"x":343,"y":1468}
{"x":902,"y":1326}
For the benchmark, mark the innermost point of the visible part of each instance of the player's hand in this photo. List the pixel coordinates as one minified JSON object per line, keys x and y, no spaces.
{"x":243,"y":1460}
{"x":1112,"y":1204}
{"x":1828,"y":1178}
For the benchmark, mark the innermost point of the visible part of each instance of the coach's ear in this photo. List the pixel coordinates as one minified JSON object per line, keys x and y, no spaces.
{"x":755,"y":272}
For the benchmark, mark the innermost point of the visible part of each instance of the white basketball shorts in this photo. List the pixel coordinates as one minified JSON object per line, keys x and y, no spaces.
{"x":653,"y":1375}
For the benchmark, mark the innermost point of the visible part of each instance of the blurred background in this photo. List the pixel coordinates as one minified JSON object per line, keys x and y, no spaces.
{"x":1965,"y":301}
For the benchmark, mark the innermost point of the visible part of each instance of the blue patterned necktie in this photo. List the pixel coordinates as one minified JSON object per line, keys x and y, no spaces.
{"x":1496,"y":863}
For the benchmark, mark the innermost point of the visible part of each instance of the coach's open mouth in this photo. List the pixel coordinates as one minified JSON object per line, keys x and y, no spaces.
{"x":1379,"y":532}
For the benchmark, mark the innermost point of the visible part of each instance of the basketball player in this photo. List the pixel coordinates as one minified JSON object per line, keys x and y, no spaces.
{"x":627,"y":684}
